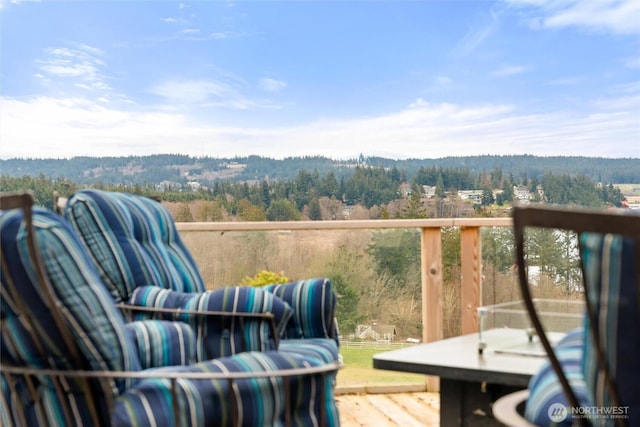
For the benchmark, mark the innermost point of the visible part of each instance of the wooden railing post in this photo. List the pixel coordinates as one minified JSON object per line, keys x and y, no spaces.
{"x":431,"y":268}
{"x":471,"y":280}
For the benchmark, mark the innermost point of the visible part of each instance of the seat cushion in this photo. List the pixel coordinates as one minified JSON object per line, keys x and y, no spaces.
{"x":325,"y":349}
{"x":133,"y":241}
{"x":611,"y":278}
{"x":209,"y":402}
{"x":313,"y":302}
{"x":545,"y":391}
{"x":223,"y":336}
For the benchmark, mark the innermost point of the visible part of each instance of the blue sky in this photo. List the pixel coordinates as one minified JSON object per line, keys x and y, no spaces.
{"x":399,"y":79}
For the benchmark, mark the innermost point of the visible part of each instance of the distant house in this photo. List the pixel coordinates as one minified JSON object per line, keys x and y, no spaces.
{"x":429,"y":191}
{"x":195,"y":186}
{"x":521,"y":192}
{"x":405,"y":189}
{"x":376,"y":332}
{"x":234,"y":165}
{"x":474,"y":195}
{"x":346,"y":212}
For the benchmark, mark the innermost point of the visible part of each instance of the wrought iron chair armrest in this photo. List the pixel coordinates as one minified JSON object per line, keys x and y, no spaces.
{"x":5,"y":368}
{"x":178,"y":312}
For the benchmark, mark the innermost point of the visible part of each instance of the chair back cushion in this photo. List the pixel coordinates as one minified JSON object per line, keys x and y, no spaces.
{"x":75,"y":325}
{"x":611,"y":280}
{"x":133,"y":241}
{"x":313,"y":302}
{"x":219,"y":336}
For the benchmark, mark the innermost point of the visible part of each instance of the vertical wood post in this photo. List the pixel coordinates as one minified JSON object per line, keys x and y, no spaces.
{"x":471,"y":281}
{"x":431,"y":270}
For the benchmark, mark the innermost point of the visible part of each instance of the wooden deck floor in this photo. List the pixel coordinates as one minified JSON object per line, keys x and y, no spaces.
{"x":419,"y":409}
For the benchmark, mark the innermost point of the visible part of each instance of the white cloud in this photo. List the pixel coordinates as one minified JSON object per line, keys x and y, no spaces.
{"x":509,"y":70}
{"x":271,"y":85}
{"x":184,"y":94}
{"x":193,"y":91}
{"x":632,"y":62}
{"x":478,"y":33}
{"x":610,"y":16}
{"x":3,"y":3}
{"x":443,"y":80}
{"x":47,"y":127}
{"x":567,"y":81}
{"x":80,"y":65}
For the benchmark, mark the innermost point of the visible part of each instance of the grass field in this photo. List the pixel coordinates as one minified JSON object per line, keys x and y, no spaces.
{"x":359,"y":370}
{"x":629,"y":189}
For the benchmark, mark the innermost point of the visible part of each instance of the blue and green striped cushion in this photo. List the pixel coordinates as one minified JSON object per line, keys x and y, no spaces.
{"x":12,"y":407}
{"x":313,"y":302}
{"x":319,"y":348}
{"x":207,"y":402}
{"x":87,"y":310}
{"x":222,"y":336}
{"x":611,"y":276}
{"x":134,"y":242}
{"x":545,"y":389}
{"x":163,"y":343}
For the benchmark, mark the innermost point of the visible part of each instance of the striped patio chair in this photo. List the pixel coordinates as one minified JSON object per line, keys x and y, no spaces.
{"x":69,"y":357}
{"x":591,"y":377}
{"x":144,"y":263}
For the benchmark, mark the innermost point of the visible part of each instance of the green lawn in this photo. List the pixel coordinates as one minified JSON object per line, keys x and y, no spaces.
{"x":359,"y":370}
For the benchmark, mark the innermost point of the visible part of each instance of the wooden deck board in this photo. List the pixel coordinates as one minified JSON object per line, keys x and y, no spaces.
{"x":419,"y":409}
{"x":424,"y":407}
{"x":393,"y":411}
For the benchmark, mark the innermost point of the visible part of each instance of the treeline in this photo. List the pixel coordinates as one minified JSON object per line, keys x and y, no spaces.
{"x":180,"y":169}
{"x":314,"y":196}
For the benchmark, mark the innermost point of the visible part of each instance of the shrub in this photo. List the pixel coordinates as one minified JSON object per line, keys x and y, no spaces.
{"x":263,"y":278}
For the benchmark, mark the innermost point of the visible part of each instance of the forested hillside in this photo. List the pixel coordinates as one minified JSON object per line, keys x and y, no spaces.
{"x":178,"y":169}
{"x":367,"y":191}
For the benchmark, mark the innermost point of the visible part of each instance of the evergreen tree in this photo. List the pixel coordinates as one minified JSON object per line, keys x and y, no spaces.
{"x":315,"y":213}
{"x":487,"y":197}
{"x":282,"y":210}
{"x":440,"y":187}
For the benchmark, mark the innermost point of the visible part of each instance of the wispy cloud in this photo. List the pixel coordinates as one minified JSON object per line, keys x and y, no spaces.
{"x":194,"y":91}
{"x":567,"y":81}
{"x":271,"y":85}
{"x":478,"y":33}
{"x":3,"y":3}
{"x":606,"y":16}
{"x":186,"y":94}
{"x":632,"y":62}
{"x":190,"y":31}
{"x":443,"y":80}
{"x":80,"y":65}
{"x":509,"y":70}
